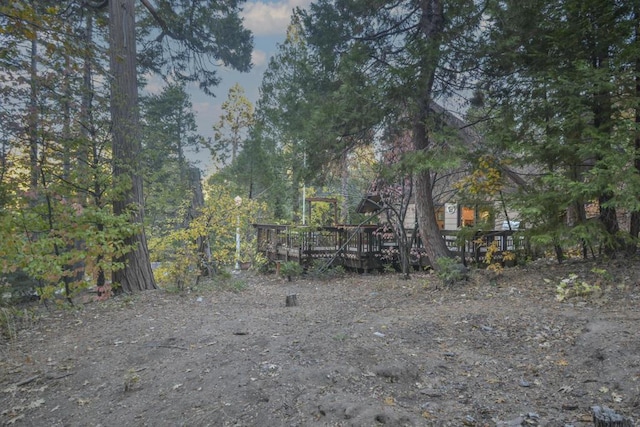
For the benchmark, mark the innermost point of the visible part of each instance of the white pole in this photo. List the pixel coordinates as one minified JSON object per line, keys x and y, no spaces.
{"x":304,"y":205}
{"x":304,"y":191}
{"x":238,"y":201}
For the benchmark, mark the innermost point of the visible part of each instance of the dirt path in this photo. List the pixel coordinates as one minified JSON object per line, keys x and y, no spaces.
{"x":356,"y":351}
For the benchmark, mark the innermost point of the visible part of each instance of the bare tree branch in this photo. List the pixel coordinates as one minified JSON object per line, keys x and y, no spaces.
{"x":473,"y":139}
{"x":163,"y":24}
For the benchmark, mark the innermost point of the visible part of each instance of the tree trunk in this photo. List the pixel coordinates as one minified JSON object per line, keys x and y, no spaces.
{"x":602,"y":112}
{"x":344,"y":186}
{"x":67,"y":152}
{"x":431,"y":26}
{"x":291,"y":300}
{"x":33,"y":118}
{"x":434,"y":244}
{"x":404,"y":249}
{"x":195,"y":210}
{"x":66,"y":119}
{"x":86,"y":112}
{"x":136,"y":274}
{"x":609,"y":219}
{"x":634,"y":227}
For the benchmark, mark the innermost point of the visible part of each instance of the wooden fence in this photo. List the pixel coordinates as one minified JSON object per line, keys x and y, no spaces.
{"x":367,"y":248}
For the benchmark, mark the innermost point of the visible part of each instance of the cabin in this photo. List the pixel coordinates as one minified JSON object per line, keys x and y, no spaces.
{"x":372,"y":244}
{"x":456,"y":216}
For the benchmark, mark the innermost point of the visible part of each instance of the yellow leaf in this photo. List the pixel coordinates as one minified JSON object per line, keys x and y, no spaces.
{"x":83,"y":402}
{"x":427,"y":415}
{"x":389,"y":401}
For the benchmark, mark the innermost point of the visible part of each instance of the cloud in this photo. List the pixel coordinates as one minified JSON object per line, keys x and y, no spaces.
{"x":258,"y":58}
{"x":207,"y":111}
{"x":268,"y":19}
{"x":155,"y":84}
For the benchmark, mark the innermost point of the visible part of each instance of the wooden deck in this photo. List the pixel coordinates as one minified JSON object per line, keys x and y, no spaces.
{"x":365,"y":248}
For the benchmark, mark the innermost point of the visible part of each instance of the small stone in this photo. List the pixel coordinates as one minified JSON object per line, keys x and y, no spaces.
{"x":469,"y":421}
{"x":431,"y":392}
{"x":516,"y":422}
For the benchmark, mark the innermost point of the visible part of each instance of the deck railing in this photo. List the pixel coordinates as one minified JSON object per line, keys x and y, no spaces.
{"x":366,"y":248}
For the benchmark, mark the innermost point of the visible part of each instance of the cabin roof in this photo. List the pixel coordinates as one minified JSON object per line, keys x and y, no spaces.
{"x":369,"y":203}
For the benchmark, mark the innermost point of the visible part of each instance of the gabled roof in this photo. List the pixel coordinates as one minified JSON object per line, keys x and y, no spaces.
{"x":369,"y":203}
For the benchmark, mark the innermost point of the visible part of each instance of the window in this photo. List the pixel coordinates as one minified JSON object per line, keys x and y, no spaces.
{"x":474,"y":215}
{"x":440,"y":217}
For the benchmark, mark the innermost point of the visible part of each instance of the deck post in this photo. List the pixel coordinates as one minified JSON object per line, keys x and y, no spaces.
{"x":464,"y":252}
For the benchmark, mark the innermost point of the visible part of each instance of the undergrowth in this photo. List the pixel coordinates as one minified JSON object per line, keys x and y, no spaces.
{"x":575,"y":286}
{"x":450,"y":271}
{"x":12,"y":319}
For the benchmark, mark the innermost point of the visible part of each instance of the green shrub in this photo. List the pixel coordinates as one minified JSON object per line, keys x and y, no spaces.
{"x":291,"y":269}
{"x":573,"y":286}
{"x":261,"y":264}
{"x":450,"y":271}
{"x":319,"y":269}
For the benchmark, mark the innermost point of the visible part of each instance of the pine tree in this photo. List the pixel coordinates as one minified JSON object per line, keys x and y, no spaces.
{"x":233,"y":125}
{"x":560,"y":76}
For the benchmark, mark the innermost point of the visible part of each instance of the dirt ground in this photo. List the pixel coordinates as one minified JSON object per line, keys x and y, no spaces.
{"x":358,"y":350}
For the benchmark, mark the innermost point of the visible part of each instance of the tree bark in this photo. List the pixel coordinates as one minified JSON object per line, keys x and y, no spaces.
{"x":634,"y":227}
{"x":431,"y":26}
{"x":602,"y":107}
{"x":34,"y":118}
{"x":291,"y":300}
{"x":136,"y":274}
{"x":609,"y":219}
{"x":195,"y":210}
{"x":344,"y":186}
{"x":434,"y":244}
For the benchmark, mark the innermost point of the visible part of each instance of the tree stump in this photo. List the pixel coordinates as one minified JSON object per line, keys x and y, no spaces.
{"x":291,"y":300}
{"x":605,"y":417}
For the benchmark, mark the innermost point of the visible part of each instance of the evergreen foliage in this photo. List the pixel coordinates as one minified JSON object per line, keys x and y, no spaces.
{"x":71,"y":203}
{"x":352,"y":97}
{"x":560,"y":82}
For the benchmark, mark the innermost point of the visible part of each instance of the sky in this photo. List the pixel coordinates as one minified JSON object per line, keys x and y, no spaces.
{"x":268,"y":21}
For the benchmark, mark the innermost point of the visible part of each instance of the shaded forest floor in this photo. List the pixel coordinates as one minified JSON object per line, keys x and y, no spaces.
{"x":358,"y":350}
